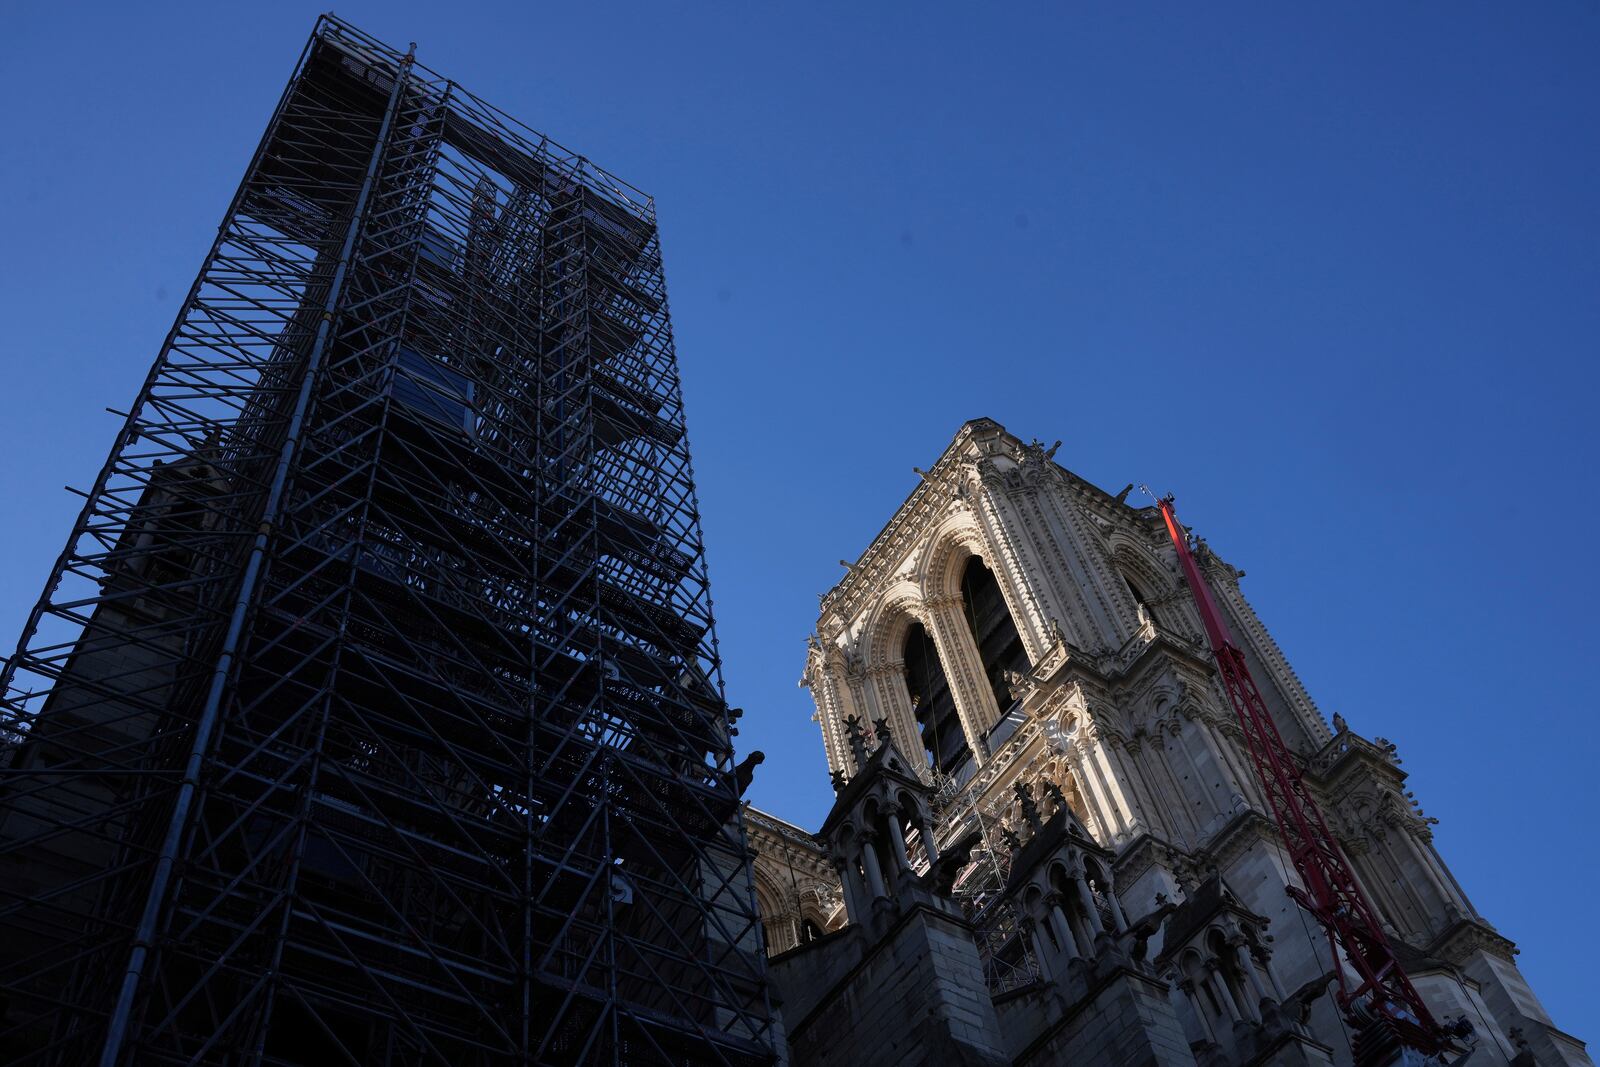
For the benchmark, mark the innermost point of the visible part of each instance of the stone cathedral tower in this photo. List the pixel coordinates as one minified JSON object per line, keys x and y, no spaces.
{"x":1034,"y":764}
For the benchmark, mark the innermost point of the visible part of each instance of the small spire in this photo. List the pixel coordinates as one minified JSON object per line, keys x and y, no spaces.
{"x":1030,"y":809}
{"x":858,"y":744}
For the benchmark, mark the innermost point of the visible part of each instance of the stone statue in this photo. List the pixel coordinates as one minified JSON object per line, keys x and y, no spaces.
{"x":1019,"y":685}
{"x":1030,"y":809}
{"x":880,"y":727}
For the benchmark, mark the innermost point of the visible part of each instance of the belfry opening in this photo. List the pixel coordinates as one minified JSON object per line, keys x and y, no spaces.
{"x":934,"y":704}
{"x":993,"y":631}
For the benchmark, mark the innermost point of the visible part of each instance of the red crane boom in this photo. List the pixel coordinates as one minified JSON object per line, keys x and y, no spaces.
{"x":1331,"y":893}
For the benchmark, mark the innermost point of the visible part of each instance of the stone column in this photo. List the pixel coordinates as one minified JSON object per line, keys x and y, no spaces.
{"x":1091,"y":776}
{"x":1070,"y":587}
{"x":1248,"y":967}
{"x":1117,"y":917}
{"x":856,"y":909}
{"x":929,"y":845}
{"x":1090,"y":912}
{"x":1017,"y":568}
{"x":1037,"y":941}
{"x":869,"y":863}
{"x":1096,"y":742}
{"x":1264,"y":958}
{"x":1059,"y":924}
{"x":1143,"y":811}
{"x":897,"y":840}
{"x":830,"y":713}
{"x":1197,"y":789}
{"x":1197,"y":1003}
{"x":1404,"y":897}
{"x":1445,"y":897}
{"x":888,"y":687}
{"x":1224,"y":995}
{"x":1088,"y":791}
{"x":1168,"y":734}
{"x":963,"y":671}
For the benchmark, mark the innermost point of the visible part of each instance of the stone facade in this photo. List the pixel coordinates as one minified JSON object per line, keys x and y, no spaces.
{"x":1121,"y":863}
{"x":796,"y":888}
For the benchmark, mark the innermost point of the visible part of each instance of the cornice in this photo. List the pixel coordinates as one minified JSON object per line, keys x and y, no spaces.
{"x":1457,"y":944}
{"x":1237,"y":836}
{"x":1140,"y":855}
{"x":755,"y":818}
{"x":1347,"y":751}
{"x":931,"y":496}
{"x":975,"y":444}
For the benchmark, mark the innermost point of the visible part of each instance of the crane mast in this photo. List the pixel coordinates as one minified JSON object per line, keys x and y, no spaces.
{"x":1330,"y":893}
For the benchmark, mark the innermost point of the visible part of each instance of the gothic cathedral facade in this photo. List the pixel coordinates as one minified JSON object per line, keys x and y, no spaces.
{"x":1031,"y":751}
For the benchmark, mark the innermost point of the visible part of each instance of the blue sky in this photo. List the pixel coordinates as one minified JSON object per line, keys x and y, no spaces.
{"x":1330,"y":275}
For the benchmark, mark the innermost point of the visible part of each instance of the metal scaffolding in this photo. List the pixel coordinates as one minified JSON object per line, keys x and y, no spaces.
{"x":372,"y":713}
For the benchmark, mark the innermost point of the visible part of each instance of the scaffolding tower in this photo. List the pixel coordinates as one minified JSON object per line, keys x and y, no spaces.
{"x":372,"y":713}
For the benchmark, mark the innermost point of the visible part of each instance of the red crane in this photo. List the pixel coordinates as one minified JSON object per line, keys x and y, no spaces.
{"x":1331,"y":893}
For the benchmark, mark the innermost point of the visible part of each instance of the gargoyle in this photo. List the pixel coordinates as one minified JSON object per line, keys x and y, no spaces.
{"x":1140,"y":933}
{"x":942,"y":875}
{"x":746,"y":770}
{"x":1297,"y":1008}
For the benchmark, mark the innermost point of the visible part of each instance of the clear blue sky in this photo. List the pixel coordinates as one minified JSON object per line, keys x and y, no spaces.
{"x":1328,"y":272}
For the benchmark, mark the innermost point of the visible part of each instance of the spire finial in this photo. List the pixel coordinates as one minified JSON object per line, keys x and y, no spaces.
{"x":858,"y":744}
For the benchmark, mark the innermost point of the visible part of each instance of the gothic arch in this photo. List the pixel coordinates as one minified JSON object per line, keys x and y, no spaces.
{"x":882,"y":640}
{"x":770,"y":900}
{"x":1152,"y":706}
{"x":1127,"y":550}
{"x":1138,"y":567}
{"x":812,"y":914}
{"x":952,"y":544}
{"x":769,"y":897}
{"x":881,"y":643}
{"x":1057,"y":874}
{"x":983,"y":695}
{"x":890,"y":618}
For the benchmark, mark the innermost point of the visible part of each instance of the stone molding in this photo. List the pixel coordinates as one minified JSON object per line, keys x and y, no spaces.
{"x":1457,"y":944}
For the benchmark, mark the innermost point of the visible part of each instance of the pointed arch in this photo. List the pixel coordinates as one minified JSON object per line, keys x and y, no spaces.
{"x":1147,"y":581}
{"x":994,"y":631}
{"x":882,"y":643}
{"x":932,"y":702}
{"x":978,"y":682}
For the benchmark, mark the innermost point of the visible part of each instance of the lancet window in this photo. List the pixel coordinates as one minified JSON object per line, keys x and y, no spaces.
{"x":935,"y":705}
{"x":993,"y":631}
